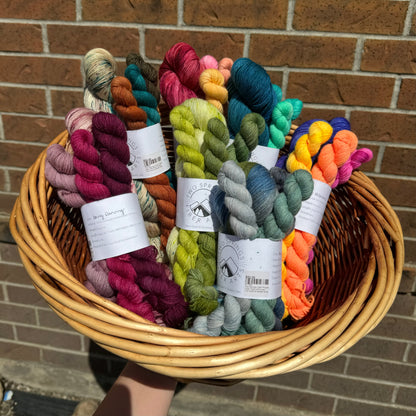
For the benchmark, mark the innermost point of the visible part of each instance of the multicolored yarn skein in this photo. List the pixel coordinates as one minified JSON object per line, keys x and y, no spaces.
{"x":330,"y":158}
{"x":158,"y":186}
{"x":100,"y":68}
{"x":135,"y":276}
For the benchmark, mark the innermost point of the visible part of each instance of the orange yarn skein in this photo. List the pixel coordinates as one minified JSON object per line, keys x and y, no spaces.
{"x":158,"y":186}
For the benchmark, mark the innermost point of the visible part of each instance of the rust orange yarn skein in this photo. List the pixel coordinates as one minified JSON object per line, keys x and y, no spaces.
{"x":158,"y":186}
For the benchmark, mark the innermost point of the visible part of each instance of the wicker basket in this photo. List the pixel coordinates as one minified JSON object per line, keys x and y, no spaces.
{"x":356,"y":270}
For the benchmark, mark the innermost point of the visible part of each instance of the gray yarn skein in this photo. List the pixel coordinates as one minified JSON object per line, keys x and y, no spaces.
{"x":226,"y":319}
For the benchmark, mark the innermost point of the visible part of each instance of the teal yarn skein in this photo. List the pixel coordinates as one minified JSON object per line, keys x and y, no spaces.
{"x":145,"y":100}
{"x":249,"y":90}
{"x":293,"y":188}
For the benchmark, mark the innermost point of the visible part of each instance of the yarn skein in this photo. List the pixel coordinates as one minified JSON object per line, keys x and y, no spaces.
{"x":198,"y":288}
{"x":152,"y":277}
{"x":99,"y":68}
{"x":179,"y":75}
{"x":158,"y":186}
{"x":212,"y":83}
{"x":249,"y":90}
{"x":330,"y":158}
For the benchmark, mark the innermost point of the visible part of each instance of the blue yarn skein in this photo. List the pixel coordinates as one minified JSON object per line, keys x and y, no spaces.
{"x":249,"y":90}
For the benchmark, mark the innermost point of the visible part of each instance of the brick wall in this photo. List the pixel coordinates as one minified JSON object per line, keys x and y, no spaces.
{"x":341,"y":58}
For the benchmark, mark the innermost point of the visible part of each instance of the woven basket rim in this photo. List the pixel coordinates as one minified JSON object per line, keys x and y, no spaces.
{"x":181,"y":354}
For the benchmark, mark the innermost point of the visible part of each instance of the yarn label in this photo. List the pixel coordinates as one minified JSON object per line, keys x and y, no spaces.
{"x":193,"y":204}
{"x":148,"y":155}
{"x":310,"y":215}
{"x":114,"y":226}
{"x":249,"y":268}
{"x":263,"y":155}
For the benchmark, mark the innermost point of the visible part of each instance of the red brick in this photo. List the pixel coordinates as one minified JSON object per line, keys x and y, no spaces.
{"x":119,"y":41}
{"x":63,"y":101}
{"x":18,"y":313}
{"x":404,"y":305}
{"x":382,"y":370}
{"x":16,"y":177}
{"x":411,"y":358}
{"x":236,"y":13}
{"x":340,"y":89}
{"x":406,"y":396}
{"x":407,"y":94}
{"x":49,"y":319}
{"x":384,"y":127}
{"x":399,"y":192}
{"x":22,"y":100}
{"x":309,"y":113}
{"x":14,"y":274}
{"x":3,"y":184}
{"x":335,"y":365}
{"x":16,"y":351}
{"x":6,"y":331}
{"x":298,"y":379}
{"x":378,"y":17}
{"x":18,"y":155}
{"x":359,"y":408}
{"x":16,"y":37}
{"x":410,"y":252}
{"x":379,"y":348}
{"x":39,"y":10}
{"x":9,"y":253}
{"x":44,"y":337}
{"x":408,"y":282}
{"x":358,"y":389}
{"x":32,"y":129}
{"x":219,"y":45}
{"x":7,"y":203}
{"x":302,"y":51}
{"x":399,"y":161}
{"x":238,"y":391}
{"x":81,"y":362}
{"x":44,"y":71}
{"x":397,"y":56}
{"x":396,"y":327}
{"x":294,"y":399}
{"x":407,"y":221}
{"x":276,"y":77}
{"x":162,"y":12}
{"x":25,"y":296}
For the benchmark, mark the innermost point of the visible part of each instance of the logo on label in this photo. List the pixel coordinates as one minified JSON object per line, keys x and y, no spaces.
{"x":198,"y":206}
{"x":230,"y":262}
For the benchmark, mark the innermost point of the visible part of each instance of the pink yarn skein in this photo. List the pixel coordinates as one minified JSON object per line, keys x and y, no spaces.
{"x":142,"y":283}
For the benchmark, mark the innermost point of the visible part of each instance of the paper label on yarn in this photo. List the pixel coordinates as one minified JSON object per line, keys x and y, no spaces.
{"x":263,"y":155}
{"x":148,"y":155}
{"x":114,"y":226}
{"x":249,"y":269}
{"x":193,"y":205}
{"x":310,"y":215}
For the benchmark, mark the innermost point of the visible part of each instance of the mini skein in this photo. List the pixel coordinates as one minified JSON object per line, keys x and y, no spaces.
{"x":153,"y":278}
{"x":148,"y":71}
{"x":158,"y":186}
{"x":212,"y":82}
{"x":179,"y":75}
{"x":249,"y":90}
{"x":100,"y":68}
{"x":325,"y":170}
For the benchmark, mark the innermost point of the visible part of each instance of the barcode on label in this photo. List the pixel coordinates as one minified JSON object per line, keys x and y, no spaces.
{"x":151,"y":161}
{"x":254,"y":281}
